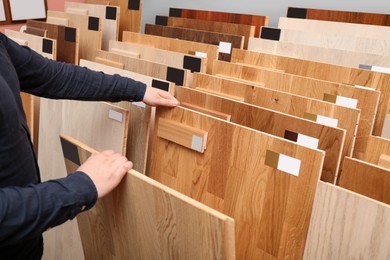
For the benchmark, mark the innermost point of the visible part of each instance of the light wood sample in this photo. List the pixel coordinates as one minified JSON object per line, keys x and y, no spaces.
{"x":143,"y":219}
{"x":341,"y":228}
{"x":90,"y":29}
{"x":366,"y":179}
{"x":131,"y":15}
{"x":108,"y":14}
{"x":270,"y":211}
{"x":187,"y":47}
{"x":293,"y":128}
{"x":376,"y":146}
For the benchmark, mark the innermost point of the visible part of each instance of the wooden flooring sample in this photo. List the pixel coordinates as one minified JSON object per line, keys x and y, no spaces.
{"x":180,"y":77}
{"x":302,"y":131}
{"x":171,"y":58}
{"x":90,"y":29}
{"x":108,"y":14}
{"x":241,"y":174}
{"x":330,"y":72}
{"x":366,"y":179}
{"x":212,"y":26}
{"x":188,"y":47}
{"x":340,"y":227}
{"x":143,"y":219}
{"x":376,"y":147}
{"x":131,"y":15}
{"x":225,"y":41}
{"x":256,"y":20}
{"x":344,"y":95}
{"x":339,"y":16}
{"x":67,"y":39}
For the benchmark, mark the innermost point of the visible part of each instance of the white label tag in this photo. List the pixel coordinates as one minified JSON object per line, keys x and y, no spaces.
{"x":363,"y":87}
{"x":308,"y":141}
{"x":200,"y":54}
{"x":380,"y":69}
{"x":327,"y":121}
{"x":346,"y":102}
{"x":225,"y":47}
{"x":115,"y":115}
{"x":139,"y":104}
{"x":197,"y":143}
{"x":289,"y":164}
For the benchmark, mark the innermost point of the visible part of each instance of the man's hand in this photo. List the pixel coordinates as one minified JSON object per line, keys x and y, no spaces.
{"x":158,"y":97}
{"x":106,"y":169}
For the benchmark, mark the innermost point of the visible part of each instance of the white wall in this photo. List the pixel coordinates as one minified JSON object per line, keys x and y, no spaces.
{"x":272,"y":8}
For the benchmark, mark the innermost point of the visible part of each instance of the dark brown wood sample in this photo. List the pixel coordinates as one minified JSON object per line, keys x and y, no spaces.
{"x":339,"y":16}
{"x":197,"y":36}
{"x":248,"y":19}
{"x":67,"y":39}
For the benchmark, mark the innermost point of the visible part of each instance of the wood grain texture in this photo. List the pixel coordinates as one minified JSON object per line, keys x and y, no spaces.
{"x":167,"y":57}
{"x":376,"y":146}
{"x":331,"y":140}
{"x":256,"y":20}
{"x":213,"y":26}
{"x":284,"y":102}
{"x":231,"y":177}
{"x":151,"y":221}
{"x":67,"y":50}
{"x":130,"y":19}
{"x":147,"y":68}
{"x":110,"y":25}
{"x":367,"y":100}
{"x":346,"y":16}
{"x":207,"y":37}
{"x":384,"y":161}
{"x":90,"y":36}
{"x":366,"y":179}
{"x":187,"y":47}
{"x":334,"y":73}
{"x":340,"y":227}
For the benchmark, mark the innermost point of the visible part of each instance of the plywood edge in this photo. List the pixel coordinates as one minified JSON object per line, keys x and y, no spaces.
{"x":249,"y":82}
{"x":241,"y":99}
{"x":207,"y":111}
{"x":110,"y":63}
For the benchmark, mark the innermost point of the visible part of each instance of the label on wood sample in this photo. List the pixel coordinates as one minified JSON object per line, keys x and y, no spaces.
{"x":293,"y":12}
{"x":47,"y":46}
{"x":341,"y":101}
{"x":225,"y":47}
{"x":324,"y":120}
{"x":139,"y":104}
{"x":200,"y":54}
{"x":302,"y":139}
{"x":283,"y":162}
{"x":374,"y":68}
{"x":111,"y":12}
{"x":115,"y":115}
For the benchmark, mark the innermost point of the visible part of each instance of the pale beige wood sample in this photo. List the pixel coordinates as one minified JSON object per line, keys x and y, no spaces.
{"x":152,"y":69}
{"x":346,"y":225}
{"x":143,"y":219}
{"x":384,"y":161}
{"x":167,"y":57}
{"x":213,"y":26}
{"x":187,"y":47}
{"x":329,"y":139}
{"x":90,"y":36}
{"x":366,"y":179}
{"x":337,"y":28}
{"x":110,"y":63}
{"x":59,"y":21}
{"x":376,"y":147}
{"x":110,"y":25}
{"x":330,"y":72}
{"x":270,"y":211}
{"x":319,"y":54}
{"x":366,"y":100}
{"x":97,"y":2}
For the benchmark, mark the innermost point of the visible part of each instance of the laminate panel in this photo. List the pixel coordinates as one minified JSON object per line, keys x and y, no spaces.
{"x":233,"y":176}
{"x":366,"y":100}
{"x":131,"y":15}
{"x":109,"y":15}
{"x":337,"y":28}
{"x":299,"y":106}
{"x":339,"y":16}
{"x":97,"y":2}
{"x":326,"y":138}
{"x":143,"y":219}
{"x":67,"y":39}
{"x":220,"y":39}
{"x":366,"y":179}
{"x":376,"y":146}
{"x":171,"y":58}
{"x":256,"y":20}
{"x":212,"y":26}
{"x":330,"y":72}
{"x":340,"y":227}
{"x":188,"y":47}
{"x":90,"y":28}
{"x":178,"y":76}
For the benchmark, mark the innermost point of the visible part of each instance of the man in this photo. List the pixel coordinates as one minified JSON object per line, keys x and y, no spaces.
{"x":27,"y":206}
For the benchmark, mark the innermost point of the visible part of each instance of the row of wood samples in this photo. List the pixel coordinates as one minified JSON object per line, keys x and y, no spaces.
{"x":171,"y":58}
{"x":90,"y":31}
{"x":225,"y":42}
{"x":131,"y":14}
{"x":67,"y":39}
{"x":256,"y":20}
{"x":110,"y":16}
{"x":143,"y":219}
{"x":187,"y":47}
{"x":339,"y":16}
{"x":48,"y":48}
{"x":351,"y":97}
{"x":220,"y":27}
{"x":179,"y":76}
